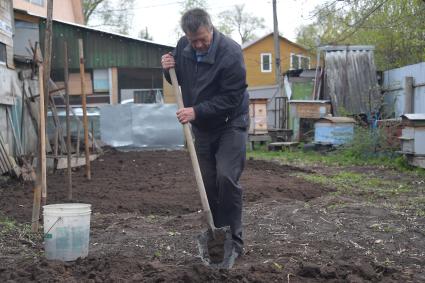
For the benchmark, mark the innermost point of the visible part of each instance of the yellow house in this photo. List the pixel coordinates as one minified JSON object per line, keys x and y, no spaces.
{"x":260,"y":57}
{"x":64,"y":10}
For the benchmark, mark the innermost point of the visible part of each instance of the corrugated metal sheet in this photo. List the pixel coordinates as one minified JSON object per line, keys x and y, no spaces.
{"x":393,"y":84}
{"x":102,"y":49}
{"x":351,"y":81}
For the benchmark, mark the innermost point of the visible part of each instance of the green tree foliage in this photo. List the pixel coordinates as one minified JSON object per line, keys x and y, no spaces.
{"x":191,"y":4}
{"x":395,"y":27}
{"x":114,"y":14}
{"x":237,"y":20}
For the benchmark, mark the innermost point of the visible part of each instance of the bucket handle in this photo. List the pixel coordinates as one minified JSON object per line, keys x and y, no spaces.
{"x":51,"y":227}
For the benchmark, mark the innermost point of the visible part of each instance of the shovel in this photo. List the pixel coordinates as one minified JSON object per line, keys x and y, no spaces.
{"x":215,"y":245}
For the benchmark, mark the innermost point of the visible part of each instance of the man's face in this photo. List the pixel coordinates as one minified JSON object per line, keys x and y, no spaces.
{"x":200,"y":40}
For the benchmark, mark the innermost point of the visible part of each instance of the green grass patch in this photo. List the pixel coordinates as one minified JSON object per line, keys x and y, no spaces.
{"x":368,"y":147}
{"x":340,"y":157}
{"x":6,"y":224}
{"x":397,"y":193}
{"x":359,"y":183}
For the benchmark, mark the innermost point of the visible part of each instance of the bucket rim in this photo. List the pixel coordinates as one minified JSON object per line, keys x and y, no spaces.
{"x":67,"y":206}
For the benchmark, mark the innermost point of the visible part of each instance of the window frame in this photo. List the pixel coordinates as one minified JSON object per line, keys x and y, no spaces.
{"x":3,"y":46}
{"x":262,"y":62}
{"x":36,"y":2}
{"x":299,"y":56}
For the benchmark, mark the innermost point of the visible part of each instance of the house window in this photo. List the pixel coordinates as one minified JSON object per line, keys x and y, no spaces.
{"x":305,"y":62}
{"x":2,"y":53}
{"x":266,"y":62}
{"x":100,"y":80}
{"x":299,"y":62}
{"x":36,"y":2}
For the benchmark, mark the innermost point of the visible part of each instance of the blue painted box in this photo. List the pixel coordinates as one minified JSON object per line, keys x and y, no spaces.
{"x":334,"y":130}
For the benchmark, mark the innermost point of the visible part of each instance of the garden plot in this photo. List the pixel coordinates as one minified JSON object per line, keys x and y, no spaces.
{"x":301,"y":224}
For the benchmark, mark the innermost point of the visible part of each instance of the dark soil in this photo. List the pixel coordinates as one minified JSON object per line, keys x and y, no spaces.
{"x":146,"y":216}
{"x":215,"y":247}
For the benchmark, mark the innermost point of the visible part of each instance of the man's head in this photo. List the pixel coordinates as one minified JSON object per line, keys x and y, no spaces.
{"x":196,"y":24}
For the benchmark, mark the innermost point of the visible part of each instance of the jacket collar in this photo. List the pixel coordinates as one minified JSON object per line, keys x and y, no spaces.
{"x":189,"y":52}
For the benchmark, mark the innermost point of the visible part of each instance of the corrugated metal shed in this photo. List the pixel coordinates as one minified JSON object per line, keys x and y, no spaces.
{"x":102,"y":49}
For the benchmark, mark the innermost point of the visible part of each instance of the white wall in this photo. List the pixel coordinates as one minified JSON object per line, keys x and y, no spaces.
{"x":393,"y":81}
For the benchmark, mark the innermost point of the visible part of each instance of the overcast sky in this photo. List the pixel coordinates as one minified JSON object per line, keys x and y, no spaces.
{"x":161,"y":17}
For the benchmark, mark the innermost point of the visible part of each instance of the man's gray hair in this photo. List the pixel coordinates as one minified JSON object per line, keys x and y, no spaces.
{"x":195,"y":18}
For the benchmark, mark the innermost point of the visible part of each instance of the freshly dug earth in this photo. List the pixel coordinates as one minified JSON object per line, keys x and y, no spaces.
{"x":146,"y":218}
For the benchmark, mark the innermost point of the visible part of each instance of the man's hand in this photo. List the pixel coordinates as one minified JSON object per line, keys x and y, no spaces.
{"x":185,"y":115}
{"x":167,"y":61}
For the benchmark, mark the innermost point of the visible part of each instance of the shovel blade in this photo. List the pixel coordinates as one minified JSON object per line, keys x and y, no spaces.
{"x":216,"y":248}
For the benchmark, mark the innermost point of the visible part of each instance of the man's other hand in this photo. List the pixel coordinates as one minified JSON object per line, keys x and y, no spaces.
{"x":185,"y":115}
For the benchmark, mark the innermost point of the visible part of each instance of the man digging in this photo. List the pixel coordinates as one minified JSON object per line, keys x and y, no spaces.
{"x":211,"y":72}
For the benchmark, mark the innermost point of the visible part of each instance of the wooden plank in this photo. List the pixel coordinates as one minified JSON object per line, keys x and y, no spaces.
{"x":74,"y":84}
{"x":274,"y":146}
{"x":41,"y":182}
{"x":68,"y":122}
{"x":62,"y":162}
{"x":114,"y":84}
{"x":84,"y":106}
{"x":311,"y":110}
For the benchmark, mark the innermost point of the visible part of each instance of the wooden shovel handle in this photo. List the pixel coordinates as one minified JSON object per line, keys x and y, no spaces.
{"x":192,"y":152}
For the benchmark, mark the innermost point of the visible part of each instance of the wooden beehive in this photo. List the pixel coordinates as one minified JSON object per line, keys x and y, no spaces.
{"x":258,"y":116}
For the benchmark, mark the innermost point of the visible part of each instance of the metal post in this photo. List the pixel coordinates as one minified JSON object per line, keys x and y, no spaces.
{"x":278,"y":72}
{"x":409,"y":106}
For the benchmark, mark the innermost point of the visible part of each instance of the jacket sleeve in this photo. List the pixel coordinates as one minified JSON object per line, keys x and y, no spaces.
{"x":232,"y":82}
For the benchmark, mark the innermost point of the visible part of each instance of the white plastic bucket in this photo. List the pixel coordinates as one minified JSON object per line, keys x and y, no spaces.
{"x":66,"y":230}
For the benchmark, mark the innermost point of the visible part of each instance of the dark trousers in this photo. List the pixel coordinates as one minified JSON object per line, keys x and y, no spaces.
{"x":221,"y":155}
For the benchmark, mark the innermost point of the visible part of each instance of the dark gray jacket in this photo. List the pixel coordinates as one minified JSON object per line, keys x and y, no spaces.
{"x":216,"y":86}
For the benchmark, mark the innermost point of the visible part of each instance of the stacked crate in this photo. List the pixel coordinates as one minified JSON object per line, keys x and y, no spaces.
{"x":258,"y":116}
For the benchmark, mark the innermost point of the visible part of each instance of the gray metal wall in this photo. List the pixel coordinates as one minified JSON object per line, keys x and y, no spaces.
{"x":141,"y":126}
{"x":394,"y":88}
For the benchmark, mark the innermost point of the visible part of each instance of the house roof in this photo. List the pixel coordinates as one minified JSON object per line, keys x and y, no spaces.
{"x":112,"y":33}
{"x":94,"y":29}
{"x":102,"y":49}
{"x":248,"y":44}
{"x":263,"y":92}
